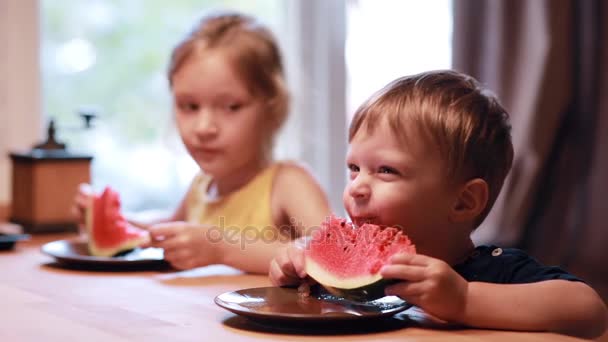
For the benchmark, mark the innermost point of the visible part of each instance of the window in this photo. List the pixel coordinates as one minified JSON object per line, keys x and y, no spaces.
{"x":110,"y":57}
{"x":393,"y":38}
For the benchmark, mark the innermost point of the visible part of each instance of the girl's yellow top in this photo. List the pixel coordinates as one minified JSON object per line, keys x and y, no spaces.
{"x":245,"y":210}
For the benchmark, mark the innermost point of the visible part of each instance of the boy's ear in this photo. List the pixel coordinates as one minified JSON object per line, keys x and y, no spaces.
{"x":471,"y":200}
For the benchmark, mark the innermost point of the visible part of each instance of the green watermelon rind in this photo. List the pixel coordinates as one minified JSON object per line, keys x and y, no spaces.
{"x":365,"y":293}
{"x":361,"y":289}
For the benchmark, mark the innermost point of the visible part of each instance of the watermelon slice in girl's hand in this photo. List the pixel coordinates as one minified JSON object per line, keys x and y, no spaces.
{"x":109,"y":232}
{"x":347,"y":260}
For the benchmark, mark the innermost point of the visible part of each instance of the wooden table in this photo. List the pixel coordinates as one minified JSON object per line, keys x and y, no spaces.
{"x":42,"y":301}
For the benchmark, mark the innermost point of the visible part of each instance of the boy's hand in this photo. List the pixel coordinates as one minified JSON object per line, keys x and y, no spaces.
{"x":287,"y":267}
{"x":185,"y":245}
{"x":429,"y":283}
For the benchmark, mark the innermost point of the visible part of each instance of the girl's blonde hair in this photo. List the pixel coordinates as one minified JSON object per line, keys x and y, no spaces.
{"x":251,"y":49}
{"x":465,"y":121}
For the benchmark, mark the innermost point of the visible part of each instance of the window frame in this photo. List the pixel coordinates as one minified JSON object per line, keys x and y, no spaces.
{"x":20,"y":86}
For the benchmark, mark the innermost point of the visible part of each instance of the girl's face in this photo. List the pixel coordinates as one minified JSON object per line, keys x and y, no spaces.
{"x":399,"y":184}
{"x":219,"y":121}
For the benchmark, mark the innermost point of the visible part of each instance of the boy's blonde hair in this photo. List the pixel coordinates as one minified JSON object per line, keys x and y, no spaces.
{"x":465,"y":121}
{"x":251,"y":49}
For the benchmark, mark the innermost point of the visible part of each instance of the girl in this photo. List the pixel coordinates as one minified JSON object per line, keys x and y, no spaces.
{"x":230,"y":100}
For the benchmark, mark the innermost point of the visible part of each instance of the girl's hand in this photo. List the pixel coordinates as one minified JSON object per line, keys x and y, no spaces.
{"x":82,"y":200}
{"x":185,"y":245}
{"x":287,"y":267}
{"x":429,"y":283}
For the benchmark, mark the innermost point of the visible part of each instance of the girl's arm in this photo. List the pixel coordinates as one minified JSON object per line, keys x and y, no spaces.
{"x":146,"y":219}
{"x":298,"y":201}
{"x":296,"y":197}
{"x":561,"y":306}
{"x":84,"y":197}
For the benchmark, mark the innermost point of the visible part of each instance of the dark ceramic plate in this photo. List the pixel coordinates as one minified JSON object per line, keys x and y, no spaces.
{"x":7,"y":241}
{"x":286,"y":304}
{"x":76,"y":253}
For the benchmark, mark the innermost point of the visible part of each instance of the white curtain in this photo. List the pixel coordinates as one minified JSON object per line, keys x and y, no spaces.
{"x":314,"y":46}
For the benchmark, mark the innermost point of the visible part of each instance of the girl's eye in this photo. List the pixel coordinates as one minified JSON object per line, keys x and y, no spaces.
{"x":388,"y":170}
{"x":229,"y":105}
{"x":189,"y":106}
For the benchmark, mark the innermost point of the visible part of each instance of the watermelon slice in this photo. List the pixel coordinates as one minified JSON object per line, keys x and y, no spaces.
{"x":347,"y":260}
{"x":109,"y":232}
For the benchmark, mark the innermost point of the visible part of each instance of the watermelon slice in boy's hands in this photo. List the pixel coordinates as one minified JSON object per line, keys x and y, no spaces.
{"x":109,"y":232}
{"x":347,"y":260}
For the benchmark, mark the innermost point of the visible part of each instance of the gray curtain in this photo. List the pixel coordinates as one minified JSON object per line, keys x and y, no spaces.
{"x":546,"y":60}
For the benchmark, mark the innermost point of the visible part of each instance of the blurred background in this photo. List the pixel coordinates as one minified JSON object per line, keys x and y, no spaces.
{"x":546,"y":60}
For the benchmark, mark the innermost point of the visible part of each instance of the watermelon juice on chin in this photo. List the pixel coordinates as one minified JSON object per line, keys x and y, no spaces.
{"x":108,"y":231}
{"x":347,"y":260}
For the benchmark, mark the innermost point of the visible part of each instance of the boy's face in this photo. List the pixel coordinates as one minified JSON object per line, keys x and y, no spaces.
{"x":399,"y":183}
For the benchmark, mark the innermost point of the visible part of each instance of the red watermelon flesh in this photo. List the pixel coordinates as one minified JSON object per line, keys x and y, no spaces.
{"x":109,"y":232}
{"x":347,"y":260}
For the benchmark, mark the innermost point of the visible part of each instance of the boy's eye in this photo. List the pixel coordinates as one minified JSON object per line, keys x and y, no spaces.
{"x":233,"y":107}
{"x":388,"y":170}
{"x":353,"y":168}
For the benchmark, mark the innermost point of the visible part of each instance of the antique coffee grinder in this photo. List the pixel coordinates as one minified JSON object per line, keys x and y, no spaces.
{"x":45,"y":181}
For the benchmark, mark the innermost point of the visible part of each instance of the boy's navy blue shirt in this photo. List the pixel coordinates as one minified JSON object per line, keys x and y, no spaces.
{"x":507,"y":266}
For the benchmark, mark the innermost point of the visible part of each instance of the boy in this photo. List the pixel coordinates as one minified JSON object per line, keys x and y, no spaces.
{"x":429,"y":153}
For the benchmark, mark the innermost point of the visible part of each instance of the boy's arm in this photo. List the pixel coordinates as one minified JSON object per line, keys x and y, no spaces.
{"x":569,"y":307}
{"x":252,"y":255}
{"x":562,"y":306}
